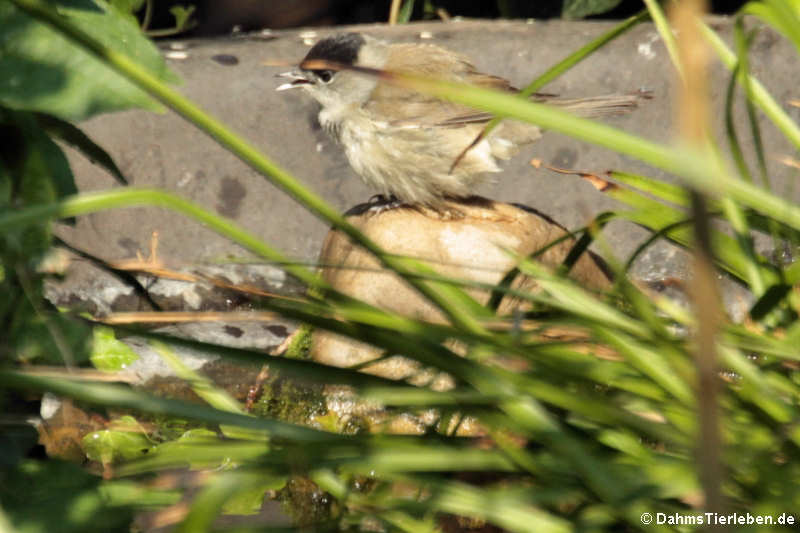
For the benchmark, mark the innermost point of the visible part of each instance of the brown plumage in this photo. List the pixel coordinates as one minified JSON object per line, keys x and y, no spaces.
{"x":404,"y":143}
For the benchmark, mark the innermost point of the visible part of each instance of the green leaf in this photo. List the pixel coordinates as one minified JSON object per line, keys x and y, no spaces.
{"x":783,"y":15}
{"x":37,"y":165}
{"x":198,"y":449}
{"x":127,"y":6}
{"x":576,"y":9}
{"x":124,"y":440}
{"x":109,"y":354}
{"x":35,"y":171}
{"x":239,"y":493}
{"x":73,"y":136}
{"x":248,"y":499}
{"x":41,"y":70}
{"x":181,"y":14}
{"x":127,"y":493}
{"x":46,"y":496}
{"x":50,"y":338}
{"x":406,"y":10}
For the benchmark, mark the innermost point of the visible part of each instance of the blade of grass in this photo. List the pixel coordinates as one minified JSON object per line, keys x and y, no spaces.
{"x":405,"y":12}
{"x":660,"y":189}
{"x":500,"y":507}
{"x":592,"y":407}
{"x":206,"y":389}
{"x":384,"y":454}
{"x":650,"y":361}
{"x":743,"y":42}
{"x":596,"y":472}
{"x":124,"y":397}
{"x":665,"y":31}
{"x":563,"y":360}
{"x":73,"y":136}
{"x":749,"y":257}
{"x":759,"y":95}
{"x":672,"y":223}
{"x":730,"y":129}
{"x":503,"y":287}
{"x":781,"y":347}
{"x":755,"y":389}
{"x":91,"y":202}
{"x":783,"y":15}
{"x":732,"y":210}
{"x":696,"y":168}
{"x":208,"y":503}
{"x":453,"y":302}
{"x":364,"y":454}
{"x":567,"y":295}
{"x":558,"y":69}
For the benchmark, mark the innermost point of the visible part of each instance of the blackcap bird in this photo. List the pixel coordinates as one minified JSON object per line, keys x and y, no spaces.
{"x":403,"y":143}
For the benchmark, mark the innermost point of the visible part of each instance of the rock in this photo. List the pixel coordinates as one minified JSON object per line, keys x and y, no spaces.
{"x":470,"y":248}
{"x":99,"y":289}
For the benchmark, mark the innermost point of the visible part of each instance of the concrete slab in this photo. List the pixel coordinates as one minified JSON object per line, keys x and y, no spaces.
{"x":165,"y":151}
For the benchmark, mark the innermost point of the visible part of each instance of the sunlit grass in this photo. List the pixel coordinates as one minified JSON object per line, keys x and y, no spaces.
{"x":568,"y":440}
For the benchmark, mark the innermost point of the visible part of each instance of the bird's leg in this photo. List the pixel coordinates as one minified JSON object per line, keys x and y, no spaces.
{"x":379,"y":203}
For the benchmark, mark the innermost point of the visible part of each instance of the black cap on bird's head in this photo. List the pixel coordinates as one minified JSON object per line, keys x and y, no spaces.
{"x":342,"y":49}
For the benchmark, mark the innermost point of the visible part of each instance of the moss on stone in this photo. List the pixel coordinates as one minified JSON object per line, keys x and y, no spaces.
{"x":291,"y":401}
{"x":307,"y":504}
{"x":300,"y":346}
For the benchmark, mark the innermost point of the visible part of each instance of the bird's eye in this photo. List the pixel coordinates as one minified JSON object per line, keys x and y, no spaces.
{"x":324,"y":75}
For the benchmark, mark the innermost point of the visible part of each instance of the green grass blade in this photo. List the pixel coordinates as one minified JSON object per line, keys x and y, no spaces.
{"x":650,"y":360}
{"x":565,"y":294}
{"x":783,"y":15}
{"x":660,"y":189}
{"x":570,"y":61}
{"x":665,"y":31}
{"x":730,"y":129}
{"x":124,"y":397}
{"x":456,"y":304}
{"x":759,"y":94}
{"x":583,"y":53}
{"x":743,"y":43}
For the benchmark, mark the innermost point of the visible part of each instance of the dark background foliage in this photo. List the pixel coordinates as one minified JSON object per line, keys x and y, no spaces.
{"x":220,"y":17}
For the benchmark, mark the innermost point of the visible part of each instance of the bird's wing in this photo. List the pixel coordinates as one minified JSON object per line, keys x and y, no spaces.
{"x":408,"y":109}
{"x":591,"y":107}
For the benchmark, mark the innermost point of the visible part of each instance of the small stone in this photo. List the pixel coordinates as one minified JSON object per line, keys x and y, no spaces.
{"x":471,"y":247}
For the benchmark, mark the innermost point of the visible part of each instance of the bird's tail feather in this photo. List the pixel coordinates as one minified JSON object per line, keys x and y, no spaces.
{"x":597,"y":106}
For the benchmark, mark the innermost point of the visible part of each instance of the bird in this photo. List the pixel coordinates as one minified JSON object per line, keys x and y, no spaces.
{"x":403,"y":143}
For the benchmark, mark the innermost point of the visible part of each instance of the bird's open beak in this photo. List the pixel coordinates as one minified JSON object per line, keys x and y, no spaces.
{"x":298,"y":80}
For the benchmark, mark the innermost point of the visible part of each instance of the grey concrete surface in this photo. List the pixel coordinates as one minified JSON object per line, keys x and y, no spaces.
{"x":165,"y":151}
